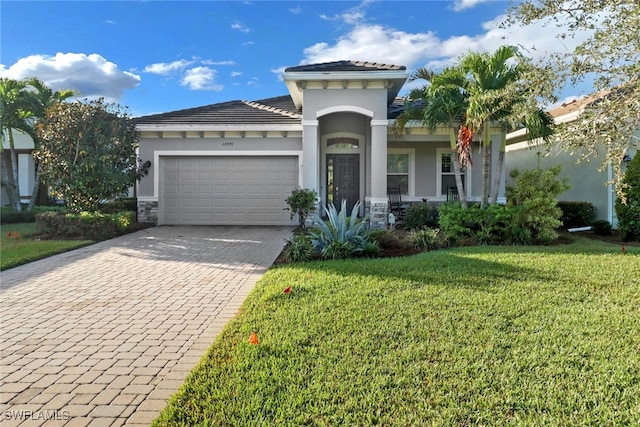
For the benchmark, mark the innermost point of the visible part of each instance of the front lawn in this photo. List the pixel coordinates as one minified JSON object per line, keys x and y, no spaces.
{"x":20,"y":244}
{"x":465,"y":336}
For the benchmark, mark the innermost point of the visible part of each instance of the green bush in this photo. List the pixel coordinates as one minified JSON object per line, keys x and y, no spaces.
{"x":8,"y":214}
{"x":536,"y":192}
{"x":302,"y":202}
{"x":299,"y":249}
{"x":85,"y":225}
{"x":629,"y":212}
{"x":120,"y":205}
{"x":421,"y":215}
{"x":497,"y":224}
{"x":341,"y":236}
{"x":427,"y":239}
{"x":576,"y":214}
{"x":602,"y":227}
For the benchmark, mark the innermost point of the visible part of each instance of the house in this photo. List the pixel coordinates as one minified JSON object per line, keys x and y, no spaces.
{"x":26,"y":169}
{"x":236,"y":162}
{"x":589,"y":183}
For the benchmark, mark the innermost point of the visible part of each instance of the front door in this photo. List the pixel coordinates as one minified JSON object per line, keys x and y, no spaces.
{"x":343,"y":179}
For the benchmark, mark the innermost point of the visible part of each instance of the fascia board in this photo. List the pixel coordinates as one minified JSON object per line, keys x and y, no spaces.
{"x":346,"y":75}
{"x":213,"y":128}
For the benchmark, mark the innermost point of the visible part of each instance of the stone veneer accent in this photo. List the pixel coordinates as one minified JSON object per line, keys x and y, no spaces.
{"x":378,"y":214}
{"x":148,"y":212}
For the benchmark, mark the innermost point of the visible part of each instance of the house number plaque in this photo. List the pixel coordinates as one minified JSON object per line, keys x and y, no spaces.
{"x":227,"y":144}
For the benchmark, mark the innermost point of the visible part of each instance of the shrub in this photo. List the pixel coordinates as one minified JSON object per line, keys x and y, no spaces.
{"x":9,"y":215}
{"x":86,"y":225}
{"x":421,"y":215}
{"x":536,"y":191}
{"x":340,"y":233}
{"x":497,"y":224}
{"x":629,"y":213}
{"x":120,"y":205}
{"x":371,"y":249}
{"x":576,"y":214}
{"x":302,"y":202}
{"x":602,"y":227}
{"x":426,"y":239}
{"x":299,"y":248}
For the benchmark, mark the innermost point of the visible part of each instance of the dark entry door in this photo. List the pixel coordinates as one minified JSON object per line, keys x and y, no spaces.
{"x":343,"y":179}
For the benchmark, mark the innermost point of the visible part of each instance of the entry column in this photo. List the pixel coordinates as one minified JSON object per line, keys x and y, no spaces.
{"x":310,"y":156}
{"x":378,"y":204}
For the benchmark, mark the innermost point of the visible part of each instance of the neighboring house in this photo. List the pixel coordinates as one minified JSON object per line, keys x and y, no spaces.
{"x":589,"y":183}
{"x":236,"y":162}
{"x":26,"y":167}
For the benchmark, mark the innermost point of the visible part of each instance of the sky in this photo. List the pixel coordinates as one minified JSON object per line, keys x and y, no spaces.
{"x":161,"y":56}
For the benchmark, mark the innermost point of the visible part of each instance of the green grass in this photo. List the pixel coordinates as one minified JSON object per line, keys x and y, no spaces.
{"x":28,"y":247}
{"x":467,"y":336}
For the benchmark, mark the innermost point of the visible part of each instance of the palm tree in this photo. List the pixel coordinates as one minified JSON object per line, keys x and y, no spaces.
{"x":441,"y":103}
{"x":16,"y":106}
{"x":45,"y":98}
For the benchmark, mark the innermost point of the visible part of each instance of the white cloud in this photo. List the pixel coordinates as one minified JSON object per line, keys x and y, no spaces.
{"x":460,"y":5}
{"x":240,"y":27}
{"x":201,"y":78}
{"x":211,"y":62}
{"x":165,"y":68}
{"x":375,"y":43}
{"x":236,"y":73}
{"x":295,"y":10}
{"x":92,"y":76}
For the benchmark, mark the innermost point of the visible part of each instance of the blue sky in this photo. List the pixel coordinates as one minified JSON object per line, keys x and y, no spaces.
{"x":159,"y":56}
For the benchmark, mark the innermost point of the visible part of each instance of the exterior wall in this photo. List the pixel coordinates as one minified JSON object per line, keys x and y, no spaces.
{"x":427,"y":144}
{"x":151,"y":146}
{"x":588,"y":183}
{"x":26,"y":166}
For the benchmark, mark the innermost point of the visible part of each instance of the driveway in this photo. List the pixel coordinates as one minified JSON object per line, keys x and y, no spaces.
{"x":105,"y":334}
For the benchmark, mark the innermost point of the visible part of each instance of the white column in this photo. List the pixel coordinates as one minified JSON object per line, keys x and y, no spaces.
{"x":310,"y":155}
{"x":26,"y":178}
{"x":379,"y":159}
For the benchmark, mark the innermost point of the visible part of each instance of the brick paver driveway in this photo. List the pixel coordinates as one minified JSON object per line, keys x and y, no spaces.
{"x":103,"y":335}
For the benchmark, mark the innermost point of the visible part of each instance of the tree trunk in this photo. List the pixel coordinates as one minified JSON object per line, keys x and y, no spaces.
{"x":14,"y":163}
{"x":495,"y":188}
{"x":456,"y":168}
{"x":7,"y":178}
{"x":486,"y":162}
{"x":35,"y":190}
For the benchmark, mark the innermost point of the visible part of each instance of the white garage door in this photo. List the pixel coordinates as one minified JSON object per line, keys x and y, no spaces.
{"x":226,"y":190}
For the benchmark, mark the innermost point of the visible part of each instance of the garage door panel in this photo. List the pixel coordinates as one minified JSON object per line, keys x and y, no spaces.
{"x":227,"y":190}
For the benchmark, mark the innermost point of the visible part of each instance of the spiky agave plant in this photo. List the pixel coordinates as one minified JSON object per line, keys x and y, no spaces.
{"x":349,"y":234}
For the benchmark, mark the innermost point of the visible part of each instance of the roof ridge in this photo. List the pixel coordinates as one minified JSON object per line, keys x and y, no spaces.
{"x":272,"y":109}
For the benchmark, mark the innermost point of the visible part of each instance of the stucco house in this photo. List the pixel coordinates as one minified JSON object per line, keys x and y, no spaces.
{"x":235,"y":163}
{"x":589,"y":183}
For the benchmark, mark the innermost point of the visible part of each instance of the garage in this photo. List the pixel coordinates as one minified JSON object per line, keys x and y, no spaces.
{"x":224,"y":190}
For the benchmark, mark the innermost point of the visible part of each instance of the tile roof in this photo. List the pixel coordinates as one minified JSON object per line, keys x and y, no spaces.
{"x":277,"y":110}
{"x":345,"y":66}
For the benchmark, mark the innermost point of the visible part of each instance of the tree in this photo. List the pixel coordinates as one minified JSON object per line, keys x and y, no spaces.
{"x":611,"y":56}
{"x":442,"y":102}
{"x":87,"y":152}
{"x":629,"y":212}
{"x":16,"y":110}
{"x":44,"y":98}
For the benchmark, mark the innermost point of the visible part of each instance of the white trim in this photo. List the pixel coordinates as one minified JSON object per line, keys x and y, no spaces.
{"x":345,"y":75}
{"x":344,"y":109}
{"x":412,"y":166}
{"x":218,"y":153}
{"x":213,"y":128}
{"x":310,"y":123}
{"x":380,"y":123}
{"x":147,"y":199}
{"x":467,"y":175}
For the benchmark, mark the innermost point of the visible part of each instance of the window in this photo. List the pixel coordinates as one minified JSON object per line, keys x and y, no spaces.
{"x":400,"y":170}
{"x":446,"y":176}
{"x":343,"y":142}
